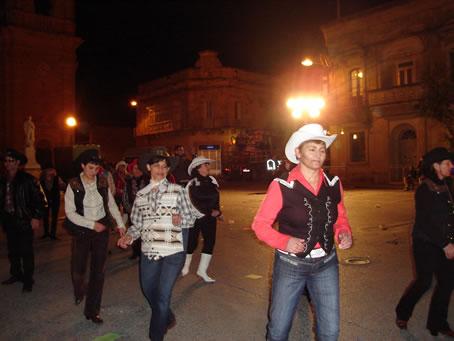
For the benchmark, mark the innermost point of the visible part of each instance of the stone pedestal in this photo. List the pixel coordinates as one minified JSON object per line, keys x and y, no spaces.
{"x":32,"y":166}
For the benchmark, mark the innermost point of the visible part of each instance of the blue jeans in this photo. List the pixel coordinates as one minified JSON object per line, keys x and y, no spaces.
{"x":290,"y":276}
{"x":158,"y":278}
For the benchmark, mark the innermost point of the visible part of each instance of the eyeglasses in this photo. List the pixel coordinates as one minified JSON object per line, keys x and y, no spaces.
{"x":9,"y":160}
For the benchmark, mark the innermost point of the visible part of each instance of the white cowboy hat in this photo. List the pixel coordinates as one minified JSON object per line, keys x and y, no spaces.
{"x":197,"y":161}
{"x":308,"y":132}
{"x":120,"y":163}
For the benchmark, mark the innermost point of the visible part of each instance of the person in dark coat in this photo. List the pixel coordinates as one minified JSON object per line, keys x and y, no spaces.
{"x":204,"y":197}
{"x":433,"y":244}
{"x":21,"y":206}
{"x":180,"y":172}
{"x":52,"y":185}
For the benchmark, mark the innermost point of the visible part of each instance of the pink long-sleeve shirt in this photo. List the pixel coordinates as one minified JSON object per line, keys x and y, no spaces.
{"x":272,"y":204}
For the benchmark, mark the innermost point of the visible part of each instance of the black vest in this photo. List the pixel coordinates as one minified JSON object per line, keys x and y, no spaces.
{"x":308,"y":216}
{"x":79,"y":194}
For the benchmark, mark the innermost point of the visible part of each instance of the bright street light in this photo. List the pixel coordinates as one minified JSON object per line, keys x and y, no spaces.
{"x":307,"y":62}
{"x":300,"y":105}
{"x":71,"y":122}
{"x":133,"y":103}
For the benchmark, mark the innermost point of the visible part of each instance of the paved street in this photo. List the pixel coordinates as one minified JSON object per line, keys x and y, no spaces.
{"x":235,"y":308}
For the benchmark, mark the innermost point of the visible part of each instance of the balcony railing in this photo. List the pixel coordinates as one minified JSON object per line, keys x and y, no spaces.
{"x":399,"y":94}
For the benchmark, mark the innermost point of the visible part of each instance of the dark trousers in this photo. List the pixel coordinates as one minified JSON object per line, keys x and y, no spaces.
{"x":19,"y":237}
{"x":207,"y":225}
{"x":429,"y":260}
{"x":95,"y":243}
{"x":53,"y":208}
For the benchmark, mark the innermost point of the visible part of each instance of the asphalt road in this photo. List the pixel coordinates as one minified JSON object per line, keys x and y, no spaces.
{"x":373,"y":275}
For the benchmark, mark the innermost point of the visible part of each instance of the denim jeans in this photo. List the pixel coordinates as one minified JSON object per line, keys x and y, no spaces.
{"x":290,"y":276}
{"x":158,"y":278}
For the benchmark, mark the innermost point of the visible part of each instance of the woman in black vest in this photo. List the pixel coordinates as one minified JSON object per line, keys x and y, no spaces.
{"x":204,"y":196}
{"x":433,"y":238}
{"x":311,"y":215}
{"x":52,"y":184}
{"x":90,"y":207}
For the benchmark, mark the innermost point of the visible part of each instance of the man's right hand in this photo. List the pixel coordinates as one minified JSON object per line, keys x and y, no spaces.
{"x":99,"y":227}
{"x":125,"y":241}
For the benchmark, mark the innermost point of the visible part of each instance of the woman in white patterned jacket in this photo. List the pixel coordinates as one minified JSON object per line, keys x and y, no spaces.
{"x":160,"y":217}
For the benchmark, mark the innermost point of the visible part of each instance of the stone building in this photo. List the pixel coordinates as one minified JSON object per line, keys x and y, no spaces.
{"x":37,"y":73}
{"x":220,"y":112}
{"x":378,"y":62}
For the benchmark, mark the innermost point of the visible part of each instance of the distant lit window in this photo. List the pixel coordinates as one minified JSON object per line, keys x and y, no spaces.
{"x":357,"y":83}
{"x":405,"y":73}
{"x":357,"y":147}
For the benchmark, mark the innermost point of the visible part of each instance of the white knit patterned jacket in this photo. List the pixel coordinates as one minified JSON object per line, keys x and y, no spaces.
{"x":151,"y":219}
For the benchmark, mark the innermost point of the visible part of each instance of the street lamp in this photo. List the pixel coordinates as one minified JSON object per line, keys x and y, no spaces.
{"x":300,"y":105}
{"x":308,"y":89}
{"x":133,"y":103}
{"x":71,"y":122}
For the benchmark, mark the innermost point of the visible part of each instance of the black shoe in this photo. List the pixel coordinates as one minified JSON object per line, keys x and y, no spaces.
{"x":45,"y":235}
{"x":11,"y":280}
{"x":95,"y":318}
{"x":54,"y":237}
{"x":27,"y":287}
{"x":448,"y":332}
{"x":78,"y":300}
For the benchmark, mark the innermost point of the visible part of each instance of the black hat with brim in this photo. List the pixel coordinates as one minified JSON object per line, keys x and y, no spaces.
{"x":89,"y":155}
{"x":157,"y":151}
{"x":437,"y":155}
{"x":14,"y":154}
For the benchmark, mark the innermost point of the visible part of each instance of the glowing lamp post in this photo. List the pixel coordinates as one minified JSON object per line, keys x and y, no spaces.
{"x":71,"y":122}
{"x":310,"y":105}
{"x":133,"y":103}
{"x":308,"y":89}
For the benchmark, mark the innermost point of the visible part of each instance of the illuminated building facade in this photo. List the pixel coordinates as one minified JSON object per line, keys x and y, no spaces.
{"x":378,"y":66}
{"x":220,"y":112}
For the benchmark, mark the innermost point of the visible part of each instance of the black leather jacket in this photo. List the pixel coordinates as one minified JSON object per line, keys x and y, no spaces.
{"x":28,"y":197}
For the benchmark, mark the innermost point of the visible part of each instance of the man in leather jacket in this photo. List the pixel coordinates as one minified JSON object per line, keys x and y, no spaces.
{"x":21,"y":204}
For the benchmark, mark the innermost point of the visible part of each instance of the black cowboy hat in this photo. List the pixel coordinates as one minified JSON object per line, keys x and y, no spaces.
{"x":14,"y":154}
{"x":157,"y":151}
{"x":437,"y":155}
{"x":89,"y":155}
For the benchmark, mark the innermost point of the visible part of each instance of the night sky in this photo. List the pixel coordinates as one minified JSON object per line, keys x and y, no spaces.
{"x":127,"y":42}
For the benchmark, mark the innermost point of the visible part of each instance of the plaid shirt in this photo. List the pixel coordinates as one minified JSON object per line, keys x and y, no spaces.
{"x":149,"y":212}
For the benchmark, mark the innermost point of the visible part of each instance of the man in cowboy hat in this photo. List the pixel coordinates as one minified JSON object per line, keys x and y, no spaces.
{"x":21,"y":205}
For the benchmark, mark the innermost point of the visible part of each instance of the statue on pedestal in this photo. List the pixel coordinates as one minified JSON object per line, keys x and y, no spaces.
{"x":29,"y":129}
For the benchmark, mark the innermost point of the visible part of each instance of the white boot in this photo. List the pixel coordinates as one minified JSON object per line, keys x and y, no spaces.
{"x":203,"y":266}
{"x":187,"y":263}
